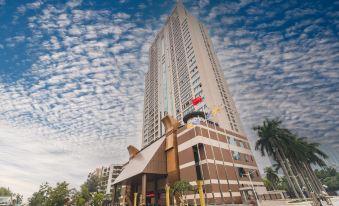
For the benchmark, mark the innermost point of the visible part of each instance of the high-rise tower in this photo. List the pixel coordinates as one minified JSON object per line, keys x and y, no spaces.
{"x":211,"y":154}
{"x":182,"y":66}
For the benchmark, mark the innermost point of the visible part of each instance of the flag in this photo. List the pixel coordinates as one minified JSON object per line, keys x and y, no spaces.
{"x":215,"y":110}
{"x":196,"y":100}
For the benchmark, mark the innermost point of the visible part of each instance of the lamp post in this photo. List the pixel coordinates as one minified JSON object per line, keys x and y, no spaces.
{"x":255,"y":194}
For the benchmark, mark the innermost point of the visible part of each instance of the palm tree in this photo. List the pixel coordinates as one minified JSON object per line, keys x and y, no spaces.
{"x":316,"y":157}
{"x":297,"y":154}
{"x":302,"y":154}
{"x":272,"y":176}
{"x":273,"y":141}
{"x":293,"y":154}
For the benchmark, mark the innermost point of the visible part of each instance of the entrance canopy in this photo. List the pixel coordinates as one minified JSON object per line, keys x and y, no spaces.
{"x":151,"y":160}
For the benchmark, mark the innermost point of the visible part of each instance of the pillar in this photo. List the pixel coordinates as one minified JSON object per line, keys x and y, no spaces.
{"x":143,"y":188}
{"x":114,"y":194}
{"x":156,"y":192}
{"x":171,"y":127}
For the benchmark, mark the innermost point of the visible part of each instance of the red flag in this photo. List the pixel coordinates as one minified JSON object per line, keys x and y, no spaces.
{"x":196,"y":100}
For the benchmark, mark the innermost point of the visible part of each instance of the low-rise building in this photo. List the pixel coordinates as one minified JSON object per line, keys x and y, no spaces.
{"x":205,"y":153}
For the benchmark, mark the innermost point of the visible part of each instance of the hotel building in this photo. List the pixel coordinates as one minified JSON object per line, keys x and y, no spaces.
{"x":183,"y":66}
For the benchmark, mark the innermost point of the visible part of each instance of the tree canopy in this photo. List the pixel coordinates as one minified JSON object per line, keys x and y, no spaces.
{"x":61,"y":194}
{"x":329,"y":177}
{"x":51,"y":196}
{"x":294,"y":156}
{"x":5,"y":191}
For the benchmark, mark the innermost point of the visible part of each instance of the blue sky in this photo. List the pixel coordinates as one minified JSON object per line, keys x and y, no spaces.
{"x":71,"y":77}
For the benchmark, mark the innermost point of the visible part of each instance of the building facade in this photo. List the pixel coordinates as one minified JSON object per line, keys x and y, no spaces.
{"x":180,"y":141}
{"x":220,"y":158}
{"x":182,"y":66}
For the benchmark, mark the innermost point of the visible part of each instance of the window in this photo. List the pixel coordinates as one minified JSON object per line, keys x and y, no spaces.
{"x":162,"y":46}
{"x":197,"y":88}
{"x":196,"y":81}
{"x":246,"y":158}
{"x":241,"y":171}
{"x":241,"y":144}
{"x":202,"y":108}
{"x":236,"y":155}
{"x":193,"y":70}
{"x":199,"y":94}
{"x":232,"y":141}
{"x":194,"y":75}
{"x":188,"y":110}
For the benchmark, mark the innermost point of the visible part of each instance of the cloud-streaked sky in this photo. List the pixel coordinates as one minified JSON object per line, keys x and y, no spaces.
{"x":71,"y":77}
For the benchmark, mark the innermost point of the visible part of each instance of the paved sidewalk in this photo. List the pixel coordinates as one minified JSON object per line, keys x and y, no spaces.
{"x":335,"y":201}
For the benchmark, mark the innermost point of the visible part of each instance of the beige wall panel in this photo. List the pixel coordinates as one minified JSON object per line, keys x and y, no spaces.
{"x":204,"y":132}
{"x":186,"y":136}
{"x":198,"y":131}
{"x":222,"y":138}
{"x":222,"y":172}
{"x":213,"y":135}
{"x":188,"y":174}
{"x":231,"y":173}
{"x":205,"y":172}
{"x":186,"y":156}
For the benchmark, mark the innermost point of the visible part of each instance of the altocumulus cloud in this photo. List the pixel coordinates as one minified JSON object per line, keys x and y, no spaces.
{"x":79,"y":104}
{"x":72,"y":85}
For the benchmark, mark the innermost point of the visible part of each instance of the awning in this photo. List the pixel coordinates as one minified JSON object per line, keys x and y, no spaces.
{"x":151,"y":160}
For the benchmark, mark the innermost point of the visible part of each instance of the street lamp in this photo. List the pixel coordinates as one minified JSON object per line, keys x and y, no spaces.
{"x":255,"y":194}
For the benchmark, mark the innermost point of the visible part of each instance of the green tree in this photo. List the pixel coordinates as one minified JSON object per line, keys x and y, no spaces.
{"x":283,"y":184}
{"x":49,"y":196}
{"x":84,"y":192}
{"x":18,"y":198}
{"x":273,"y":142}
{"x":39,"y":198}
{"x":83,"y":196}
{"x":325,"y":172}
{"x":80,"y":201}
{"x":93,"y":183}
{"x":180,"y":189}
{"x":98,"y":198}
{"x":329,"y":177}
{"x":332,"y":183}
{"x":293,"y":154}
{"x":59,"y":195}
{"x":267,"y":183}
{"x":301,"y":155}
{"x":272,"y":176}
{"x":5,"y":191}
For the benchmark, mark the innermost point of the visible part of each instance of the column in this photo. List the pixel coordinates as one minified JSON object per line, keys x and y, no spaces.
{"x":143,"y":188}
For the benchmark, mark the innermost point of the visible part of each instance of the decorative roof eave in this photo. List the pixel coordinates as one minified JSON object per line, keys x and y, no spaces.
{"x":151,"y":159}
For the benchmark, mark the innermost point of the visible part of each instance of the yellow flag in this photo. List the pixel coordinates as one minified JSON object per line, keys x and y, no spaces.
{"x":215,"y":110}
